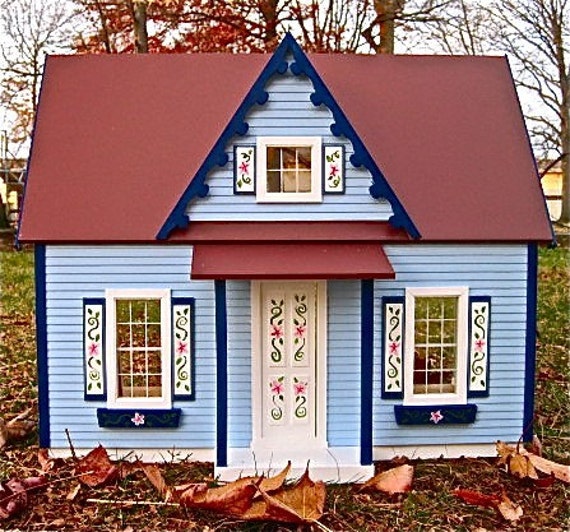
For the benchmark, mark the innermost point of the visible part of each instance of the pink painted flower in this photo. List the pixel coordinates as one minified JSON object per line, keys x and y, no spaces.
{"x":394,"y":347}
{"x":93,"y":348}
{"x":300,"y":331}
{"x":277,"y":331}
{"x":333,"y":171}
{"x":436,"y":416}
{"x":182,"y":348}
{"x":138,"y":419}
{"x":276,"y":387}
{"x":479,"y":345}
{"x":244,"y":167}
{"x":300,"y":388}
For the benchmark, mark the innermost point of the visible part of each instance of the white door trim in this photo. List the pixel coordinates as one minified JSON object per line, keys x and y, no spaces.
{"x":320,"y":441}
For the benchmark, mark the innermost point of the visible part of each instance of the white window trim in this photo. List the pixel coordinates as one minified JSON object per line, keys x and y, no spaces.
{"x":316,"y":194}
{"x":164,"y":402}
{"x":460,"y":397}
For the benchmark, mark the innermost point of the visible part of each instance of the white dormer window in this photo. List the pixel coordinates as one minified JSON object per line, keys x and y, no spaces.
{"x":289,"y":169}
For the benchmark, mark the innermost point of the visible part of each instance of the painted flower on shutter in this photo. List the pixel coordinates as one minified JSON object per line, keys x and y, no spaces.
{"x":300,"y":386}
{"x":276,"y":332}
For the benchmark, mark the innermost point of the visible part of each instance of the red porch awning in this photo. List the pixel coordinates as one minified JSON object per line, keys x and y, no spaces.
{"x":291,"y":261}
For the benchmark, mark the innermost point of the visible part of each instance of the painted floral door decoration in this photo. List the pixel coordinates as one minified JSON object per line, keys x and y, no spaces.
{"x":288,"y":333}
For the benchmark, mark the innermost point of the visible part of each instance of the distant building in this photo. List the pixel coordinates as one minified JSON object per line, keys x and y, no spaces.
{"x":12,"y":173}
{"x":552,"y":188}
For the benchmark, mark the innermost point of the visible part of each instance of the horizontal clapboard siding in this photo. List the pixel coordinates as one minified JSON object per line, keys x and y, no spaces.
{"x":76,"y":272}
{"x":498,"y":271}
{"x":239,"y":363}
{"x":289,"y":112}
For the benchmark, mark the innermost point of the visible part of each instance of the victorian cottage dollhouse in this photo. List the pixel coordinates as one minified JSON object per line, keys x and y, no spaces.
{"x":257,"y":258}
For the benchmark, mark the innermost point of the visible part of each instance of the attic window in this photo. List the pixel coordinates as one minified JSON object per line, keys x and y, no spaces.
{"x":289,"y":169}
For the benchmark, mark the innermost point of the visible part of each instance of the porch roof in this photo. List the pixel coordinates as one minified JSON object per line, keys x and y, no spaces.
{"x":291,"y":260}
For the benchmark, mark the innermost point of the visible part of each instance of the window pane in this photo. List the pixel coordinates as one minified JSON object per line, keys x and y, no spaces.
{"x":273,"y":181}
{"x":139,"y":363}
{"x":289,"y":157}
{"x":138,"y":332}
{"x":123,"y":335}
{"x":123,"y":309}
{"x":304,"y":158}
{"x":304,"y":181}
{"x":124,"y":364}
{"x":153,"y":311}
{"x":153,"y":335}
{"x":138,"y":310}
{"x":273,"y":159}
{"x":289,"y":181}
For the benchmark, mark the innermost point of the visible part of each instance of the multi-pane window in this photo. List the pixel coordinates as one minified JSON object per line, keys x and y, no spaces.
{"x":138,"y":347}
{"x":289,"y":169}
{"x":435,"y":356}
{"x":435,"y":340}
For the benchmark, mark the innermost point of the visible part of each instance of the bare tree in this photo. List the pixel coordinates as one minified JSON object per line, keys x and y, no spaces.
{"x":536,"y":36}
{"x":32,"y":29}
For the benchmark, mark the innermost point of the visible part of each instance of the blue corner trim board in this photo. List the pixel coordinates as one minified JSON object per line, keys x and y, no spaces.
{"x":221,"y":375}
{"x":102,"y":359}
{"x":366,"y":370}
{"x":485,"y":392}
{"x":530,"y":354}
{"x":191,"y":396}
{"x":138,"y":419}
{"x":386,"y":300}
{"x":435,"y":415}
{"x":41,"y":339}
{"x":238,"y":126}
{"x":257,"y":95}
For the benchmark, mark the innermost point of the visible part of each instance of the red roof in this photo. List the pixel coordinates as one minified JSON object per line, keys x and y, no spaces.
{"x":119,"y":137}
{"x":273,"y":261}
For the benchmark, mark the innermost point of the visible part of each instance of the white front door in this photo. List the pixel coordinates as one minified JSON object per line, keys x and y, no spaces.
{"x":289,"y":381}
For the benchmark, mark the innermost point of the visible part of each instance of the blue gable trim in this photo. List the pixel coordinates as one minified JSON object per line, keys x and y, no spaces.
{"x":221,"y":375}
{"x":366,"y":369}
{"x":342,"y":127}
{"x":238,"y":126}
{"x":41,"y":339}
{"x":530,"y":353}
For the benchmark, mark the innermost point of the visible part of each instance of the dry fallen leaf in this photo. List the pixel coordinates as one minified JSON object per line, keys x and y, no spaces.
{"x":95,"y":468}
{"x":303,"y":503}
{"x":509,"y":510}
{"x":396,"y":480}
{"x":14,"y":495}
{"x":153,"y":473}
{"x":520,"y":466}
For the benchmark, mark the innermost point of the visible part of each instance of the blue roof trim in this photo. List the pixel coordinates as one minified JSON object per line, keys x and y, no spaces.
{"x":380,"y":187}
{"x":237,"y":126}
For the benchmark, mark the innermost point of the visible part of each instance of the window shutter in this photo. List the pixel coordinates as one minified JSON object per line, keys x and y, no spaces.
{"x":479,"y":348}
{"x":333,"y":169}
{"x":94,"y":349}
{"x":244,"y":169}
{"x":393,"y":348}
{"x":183,"y":348}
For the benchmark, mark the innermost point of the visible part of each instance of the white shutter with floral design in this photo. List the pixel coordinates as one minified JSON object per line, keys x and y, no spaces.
{"x":393,"y":348}
{"x":182,"y":337}
{"x":94,"y":349}
{"x":333,"y":167}
{"x":479,"y":328}
{"x":244,"y":169}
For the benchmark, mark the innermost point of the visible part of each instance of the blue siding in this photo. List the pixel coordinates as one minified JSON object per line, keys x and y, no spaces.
{"x":343,"y":377}
{"x":498,"y":271}
{"x":289,"y":112}
{"x":75,"y":272}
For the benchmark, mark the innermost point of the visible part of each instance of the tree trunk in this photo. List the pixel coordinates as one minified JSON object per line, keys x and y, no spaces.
{"x":269,"y":13}
{"x":565,"y":163}
{"x":139,"y":26}
{"x":386,"y":13}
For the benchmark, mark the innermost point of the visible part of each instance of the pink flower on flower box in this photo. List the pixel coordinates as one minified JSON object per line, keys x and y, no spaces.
{"x":138,"y":419}
{"x":436,"y":417}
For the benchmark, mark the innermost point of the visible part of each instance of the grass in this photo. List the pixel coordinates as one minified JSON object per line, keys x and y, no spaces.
{"x":429,"y":506}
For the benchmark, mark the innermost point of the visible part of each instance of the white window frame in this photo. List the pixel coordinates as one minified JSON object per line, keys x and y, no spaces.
{"x":316,"y":194}
{"x":460,"y":396}
{"x":113,"y":401}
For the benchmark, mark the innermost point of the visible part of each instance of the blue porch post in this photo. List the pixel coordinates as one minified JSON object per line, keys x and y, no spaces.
{"x":366,"y":369}
{"x":221,"y":375}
